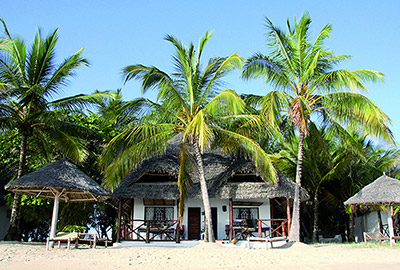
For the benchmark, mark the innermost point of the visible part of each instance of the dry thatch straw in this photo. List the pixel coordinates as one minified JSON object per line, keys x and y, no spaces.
{"x":60,"y":177}
{"x":218,"y":169}
{"x":383,"y":191}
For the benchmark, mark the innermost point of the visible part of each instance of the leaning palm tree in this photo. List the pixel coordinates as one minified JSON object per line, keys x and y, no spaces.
{"x":188,"y":105}
{"x":29,"y":80}
{"x":308,"y":87}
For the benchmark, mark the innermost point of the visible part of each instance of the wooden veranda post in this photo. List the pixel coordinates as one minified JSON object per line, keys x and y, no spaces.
{"x":119,"y":220}
{"x":178,"y":224}
{"x":390,"y":223}
{"x":147,"y":231}
{"x":178,"y":231}
{"x":54,"y":219}
{"x":288,"y":214}
{"x":230,"y":220}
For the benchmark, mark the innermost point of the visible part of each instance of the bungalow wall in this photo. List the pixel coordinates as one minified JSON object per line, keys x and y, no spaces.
{"x":4,"y":221}
{"x":368,"y":223}
{"x":222,"y":206}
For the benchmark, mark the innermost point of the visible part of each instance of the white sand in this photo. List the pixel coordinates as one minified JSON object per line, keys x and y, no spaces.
{"x":203,"y":256}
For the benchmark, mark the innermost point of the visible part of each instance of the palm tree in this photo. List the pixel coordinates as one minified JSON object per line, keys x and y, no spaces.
{"x":29,"y":80}
{"x":307,"y":87}
{"x":190,"y":106}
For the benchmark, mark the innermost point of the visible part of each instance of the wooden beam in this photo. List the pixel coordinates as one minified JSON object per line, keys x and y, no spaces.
{"x":271,"y":208}
{"x":119,"y":220}
{"x":230,"y":220}
{"x":54,"y":220}
{"x":390,"y":223}
{"x":288,"y":214}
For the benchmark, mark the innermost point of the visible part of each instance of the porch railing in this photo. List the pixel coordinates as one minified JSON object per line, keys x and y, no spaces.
{"x":150,"y":230}
{"x":241,"y":228}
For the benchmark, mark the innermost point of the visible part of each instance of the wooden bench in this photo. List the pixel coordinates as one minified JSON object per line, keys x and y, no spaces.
{"x":90,"y":238}
{"x":63,"y":237}
{"x":374,"y":236}
{"x":266,"y":240}
{"x":377,"y":236}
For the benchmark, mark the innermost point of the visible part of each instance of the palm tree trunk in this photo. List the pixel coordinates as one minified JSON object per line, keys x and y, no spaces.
{"x":294,"y":234}
{"x":315,"y":226}
{"x":209,"y":236}
{"x":13,"y":230}
{"x":351,"y":234}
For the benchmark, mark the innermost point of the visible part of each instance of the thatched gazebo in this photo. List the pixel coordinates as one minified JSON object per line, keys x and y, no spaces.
{"x":383,"y":191}
{"x":60,"y":180}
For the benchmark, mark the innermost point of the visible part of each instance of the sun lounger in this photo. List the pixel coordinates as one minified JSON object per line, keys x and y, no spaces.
{"x":63,"y":237}
{"x":266,"y":240}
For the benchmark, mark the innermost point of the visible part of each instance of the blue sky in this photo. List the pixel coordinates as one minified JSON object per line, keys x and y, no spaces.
{"x":119,"y":33}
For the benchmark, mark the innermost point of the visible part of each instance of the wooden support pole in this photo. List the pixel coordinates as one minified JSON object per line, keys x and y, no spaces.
{"x":147,"y":231}
{"x":283,"y":228}
{"x":132,"y":217}
{"x":230,"y":220}
{"x":132,"y":213}
{"x":288,"y":214}
{"x":390,"y":223}
{"x":119,"y":220}
{"x":271,"y":208}
{"x":259,"y":228}
{"x":178,"y":231}
{"x":179,"y":225}
{"x":54,"y":219}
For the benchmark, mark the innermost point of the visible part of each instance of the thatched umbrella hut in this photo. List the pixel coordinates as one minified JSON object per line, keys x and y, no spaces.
{"x":383,"y":191}
{"x":60,"y":180}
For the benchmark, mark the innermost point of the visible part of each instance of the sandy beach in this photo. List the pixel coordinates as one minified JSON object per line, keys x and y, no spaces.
{"x":202,"y":256}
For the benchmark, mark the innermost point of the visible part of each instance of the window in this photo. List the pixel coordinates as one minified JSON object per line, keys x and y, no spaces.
{"x":159,"y":213}
{"x":249,"y":215}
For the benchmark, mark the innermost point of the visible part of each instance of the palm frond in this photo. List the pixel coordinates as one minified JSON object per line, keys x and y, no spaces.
{"x":237,"y":144}
{"x":359,"y":113}
{"x":187,"y":167}
{"x":79,"y":102}
{"x":131,"y":147}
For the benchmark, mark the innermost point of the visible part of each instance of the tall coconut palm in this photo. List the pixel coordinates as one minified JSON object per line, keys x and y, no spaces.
{"x":308,"y":86}
{"x":190,"y":106}
{"x":29,"y":81}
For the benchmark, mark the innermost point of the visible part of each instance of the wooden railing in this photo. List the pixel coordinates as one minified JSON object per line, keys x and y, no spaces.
{"x":263,"y":228}
{"x":278,"y":227}
{"x":150,"y":230}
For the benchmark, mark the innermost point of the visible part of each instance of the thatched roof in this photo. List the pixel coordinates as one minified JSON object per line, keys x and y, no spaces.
{"x":218,"y":169}
{"x":58,"y":177}
{"x":383,"y":191}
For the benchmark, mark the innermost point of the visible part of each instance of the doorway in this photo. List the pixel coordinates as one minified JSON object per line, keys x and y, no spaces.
{"x":194,"y":223}
{"x":214,"y":218}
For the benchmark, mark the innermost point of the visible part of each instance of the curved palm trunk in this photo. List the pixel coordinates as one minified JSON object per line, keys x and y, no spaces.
{"x":13,"y":230}
{"x":294,"y":234}
{"x":209,"y":236}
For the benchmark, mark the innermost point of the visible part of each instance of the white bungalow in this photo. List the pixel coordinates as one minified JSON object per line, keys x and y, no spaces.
{"x":242,"y":203}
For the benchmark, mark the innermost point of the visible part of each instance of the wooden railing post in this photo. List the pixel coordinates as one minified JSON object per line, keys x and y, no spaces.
{"x":283,"y":228}
{"x":147,"y":231}
{"x":178,"y":231}
{"x":230,"y":220}
{"x":259,"y":228}
{"x":119,"y":221}
{"x":288,"y":214}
